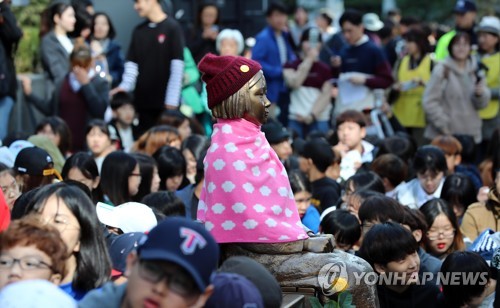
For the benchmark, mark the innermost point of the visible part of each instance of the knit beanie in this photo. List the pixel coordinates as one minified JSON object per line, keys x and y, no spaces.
{"x":225,"y":75}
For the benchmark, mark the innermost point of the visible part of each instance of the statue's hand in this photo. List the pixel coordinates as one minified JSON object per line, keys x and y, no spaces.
{"x":319,"y":243}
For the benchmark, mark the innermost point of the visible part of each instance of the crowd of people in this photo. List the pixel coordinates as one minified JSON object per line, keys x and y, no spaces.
{"x":388,"y":132}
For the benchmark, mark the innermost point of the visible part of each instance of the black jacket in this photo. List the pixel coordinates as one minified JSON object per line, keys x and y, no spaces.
{"x":10,"y":34}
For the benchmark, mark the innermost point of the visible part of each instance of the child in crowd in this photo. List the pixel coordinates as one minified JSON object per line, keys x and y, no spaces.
{"x":181,"y":270}
{"x":301,"y":189}
{"x":484,"y":215}
{"x":392,"y":251}
{"x":123,"y":120}
{"x":73,"y":214}
{"x":57,"y":130}
{"x":459,"y":191}
{"x":9,"y":186}
{"x":463,"y":294}
{"x":156,"y":137}
{"x":233,"y":290}
{"x":452,"y":150}
{"x":166,"y":203}
{"x":192,"y":147}
{"x":34,"y":168}
{"x":178,"y":120}
{"x":362,"y":181}
{"x":171,"y":168}
{"x":120,"y":178}
{"x":354,"y":200}
{"x":430,"y":166}
{"x":100,"y":140}
{"x":378,"y":209}
{"x":393,"y":171}
{"x":351,"y":129}
{"x":150,"y":178}
{"x":38,"y":250}
{"x":414,"y":221}
{"x":316,"y":156}
{"x":344,"y":227}
{"x":280,"y":140}
{"x":81,"y":167}
{"x":443,"y":236}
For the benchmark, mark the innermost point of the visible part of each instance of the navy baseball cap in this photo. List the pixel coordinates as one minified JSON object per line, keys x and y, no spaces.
{"x":464,"y":6}
{"x":186,"y":243}
{"x":119,"y":249}
{"x":234,"y":290}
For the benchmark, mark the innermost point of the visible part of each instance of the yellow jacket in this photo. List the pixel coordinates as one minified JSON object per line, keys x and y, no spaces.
{"x":492,"y":62}
{"x":408,"y":107}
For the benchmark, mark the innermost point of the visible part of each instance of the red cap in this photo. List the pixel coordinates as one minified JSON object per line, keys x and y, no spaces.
{"x":225,"y":75}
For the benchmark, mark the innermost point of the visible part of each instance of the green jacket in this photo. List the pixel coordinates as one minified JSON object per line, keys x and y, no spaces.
{"x":190,"y":95}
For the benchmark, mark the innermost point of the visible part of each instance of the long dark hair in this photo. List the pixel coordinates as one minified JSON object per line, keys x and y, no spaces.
{"x":116,"y":169}
{"x":147,"y":164}
{"x":93,"y":266}
{"x":171,"y":163}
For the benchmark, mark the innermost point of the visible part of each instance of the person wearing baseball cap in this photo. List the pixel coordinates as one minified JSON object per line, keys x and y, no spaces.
{"x":35,"y":168}
{"x":173,"y":266}
{"x":465,"y":20}
{"x":234,"y":291}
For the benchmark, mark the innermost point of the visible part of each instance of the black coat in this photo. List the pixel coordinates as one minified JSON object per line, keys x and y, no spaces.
{"x":10,"y":34}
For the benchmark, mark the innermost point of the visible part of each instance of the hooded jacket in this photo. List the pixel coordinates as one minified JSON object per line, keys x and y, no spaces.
{"x":450,"y":104}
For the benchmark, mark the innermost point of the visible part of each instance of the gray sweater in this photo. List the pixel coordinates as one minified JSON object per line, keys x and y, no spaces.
{"x":450,"y":103}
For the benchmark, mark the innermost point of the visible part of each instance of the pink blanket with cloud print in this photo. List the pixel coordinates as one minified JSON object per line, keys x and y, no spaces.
{"x":246,"y":196}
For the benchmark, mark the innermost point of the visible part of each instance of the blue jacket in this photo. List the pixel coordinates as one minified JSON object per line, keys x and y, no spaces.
{"x":266,"y":52}
{"x":116,"y":62}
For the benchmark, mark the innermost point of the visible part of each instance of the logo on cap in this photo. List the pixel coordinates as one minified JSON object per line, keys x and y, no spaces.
{"x":244,"y":68}
{"x":192,"y":240}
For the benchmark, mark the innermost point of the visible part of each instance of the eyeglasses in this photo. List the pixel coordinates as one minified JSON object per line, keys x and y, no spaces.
{"x":177,"y":281}
{"x":60,"y":223}
{"x":26,"y":263}
{"x":12,"y":187}
{"x":434,"y":235}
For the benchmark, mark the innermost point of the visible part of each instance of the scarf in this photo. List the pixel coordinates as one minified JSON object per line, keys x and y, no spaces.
{"x":246,"y":196}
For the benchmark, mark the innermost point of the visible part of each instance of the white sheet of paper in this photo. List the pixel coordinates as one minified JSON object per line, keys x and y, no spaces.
{"x":350,"y":93}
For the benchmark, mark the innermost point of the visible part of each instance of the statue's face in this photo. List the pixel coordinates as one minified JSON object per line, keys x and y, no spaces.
{"x":259,"y":104}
